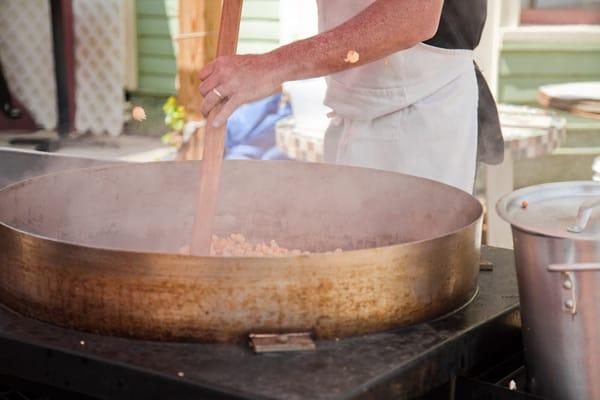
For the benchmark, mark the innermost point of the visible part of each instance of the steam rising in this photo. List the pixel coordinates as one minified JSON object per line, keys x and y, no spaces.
{"x":16,"y":165}
{"x":311,"y":207}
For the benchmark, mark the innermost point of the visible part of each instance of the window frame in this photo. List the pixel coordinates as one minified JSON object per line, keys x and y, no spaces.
{"x":531,"y":14}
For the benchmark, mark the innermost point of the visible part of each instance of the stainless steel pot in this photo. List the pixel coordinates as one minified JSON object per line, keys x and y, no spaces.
{"x":556,"y":234}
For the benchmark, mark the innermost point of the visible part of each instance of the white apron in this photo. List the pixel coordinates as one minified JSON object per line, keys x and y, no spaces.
{"x":414,"y":112}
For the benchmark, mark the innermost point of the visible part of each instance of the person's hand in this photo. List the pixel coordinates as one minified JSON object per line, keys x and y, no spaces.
{"x":236,"y":80}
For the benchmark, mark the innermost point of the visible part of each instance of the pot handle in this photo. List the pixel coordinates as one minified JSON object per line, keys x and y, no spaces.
{"x":580,"y":267}
{"x":570,"y":282}
{"x":583,"y":215}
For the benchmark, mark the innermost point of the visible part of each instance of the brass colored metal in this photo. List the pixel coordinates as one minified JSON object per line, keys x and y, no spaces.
{"x":284,"y":342}
{"x":96,"y":250}
{"x":486,"y":265}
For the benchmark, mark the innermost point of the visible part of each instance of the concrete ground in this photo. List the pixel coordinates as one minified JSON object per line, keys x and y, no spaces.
{"x":123,"y":147}
{"x":141,"y":142}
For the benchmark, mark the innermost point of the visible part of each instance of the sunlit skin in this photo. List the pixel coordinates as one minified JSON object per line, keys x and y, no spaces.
{"x":383,"y":28}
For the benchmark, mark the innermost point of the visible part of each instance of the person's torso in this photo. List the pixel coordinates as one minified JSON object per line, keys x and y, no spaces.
{"x":413,"y":74}
{"x":393,"y":82}
{"x":460,"y":27}
{"x":461,"y":24}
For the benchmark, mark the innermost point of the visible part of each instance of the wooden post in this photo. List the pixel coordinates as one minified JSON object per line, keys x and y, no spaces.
{"x":128,"y":15}
{"x":196,"y":46}
{"x":64,"y":58}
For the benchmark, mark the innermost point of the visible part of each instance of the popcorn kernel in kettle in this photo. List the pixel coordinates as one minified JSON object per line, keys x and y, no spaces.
{"x":236,"y":245}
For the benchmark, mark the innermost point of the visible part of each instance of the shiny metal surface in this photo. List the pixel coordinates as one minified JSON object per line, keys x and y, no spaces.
{"x":94,"y":249}
{"x":551,"y":209}
{"x":570,"y":281}
{"x":574,"y":267}
{"x":559,"y":286}
{"x":583,"y":215}
{"x":560,"y":310}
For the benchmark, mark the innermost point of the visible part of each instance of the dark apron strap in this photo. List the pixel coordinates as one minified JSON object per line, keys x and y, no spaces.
{"x":490,"y":144}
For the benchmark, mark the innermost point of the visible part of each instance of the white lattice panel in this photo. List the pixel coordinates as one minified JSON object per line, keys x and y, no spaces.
{"x":27,"y":57}
{"x":99,"y":66}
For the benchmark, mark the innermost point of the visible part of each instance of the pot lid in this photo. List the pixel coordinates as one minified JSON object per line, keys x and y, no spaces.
{"x":564,"y":209}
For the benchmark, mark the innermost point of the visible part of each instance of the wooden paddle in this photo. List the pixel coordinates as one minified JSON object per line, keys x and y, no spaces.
{"x":214,"y":141}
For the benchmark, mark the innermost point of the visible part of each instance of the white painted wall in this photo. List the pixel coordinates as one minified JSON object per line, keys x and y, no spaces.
{"x":298,"y":20}
{"x":564,"y":3}
{"x":487,"y":54}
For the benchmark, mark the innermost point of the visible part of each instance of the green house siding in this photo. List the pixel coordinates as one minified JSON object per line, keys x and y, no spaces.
{"x":524,"y":67}
{"x":259,"y":31}
{"x":157,"y":25}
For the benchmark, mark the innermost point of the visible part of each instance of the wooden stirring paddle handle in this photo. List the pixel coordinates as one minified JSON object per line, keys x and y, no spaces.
{"x":214,"y":141}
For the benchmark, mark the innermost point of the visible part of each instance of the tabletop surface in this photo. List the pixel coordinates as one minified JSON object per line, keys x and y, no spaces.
{"x":575,"y":91}
{"x":578,"y":98}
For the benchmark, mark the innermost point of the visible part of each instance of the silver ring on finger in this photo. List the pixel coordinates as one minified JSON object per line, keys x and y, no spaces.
{"x":219,"y":95}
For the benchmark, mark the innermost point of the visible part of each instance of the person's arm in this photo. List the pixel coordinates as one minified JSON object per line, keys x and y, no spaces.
{"x":383,"y":28}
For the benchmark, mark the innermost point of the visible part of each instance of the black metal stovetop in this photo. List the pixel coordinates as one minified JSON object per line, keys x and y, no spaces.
{"x":401,"y":364}
{"x":41,"y":361}
{"x":506,"y":380}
